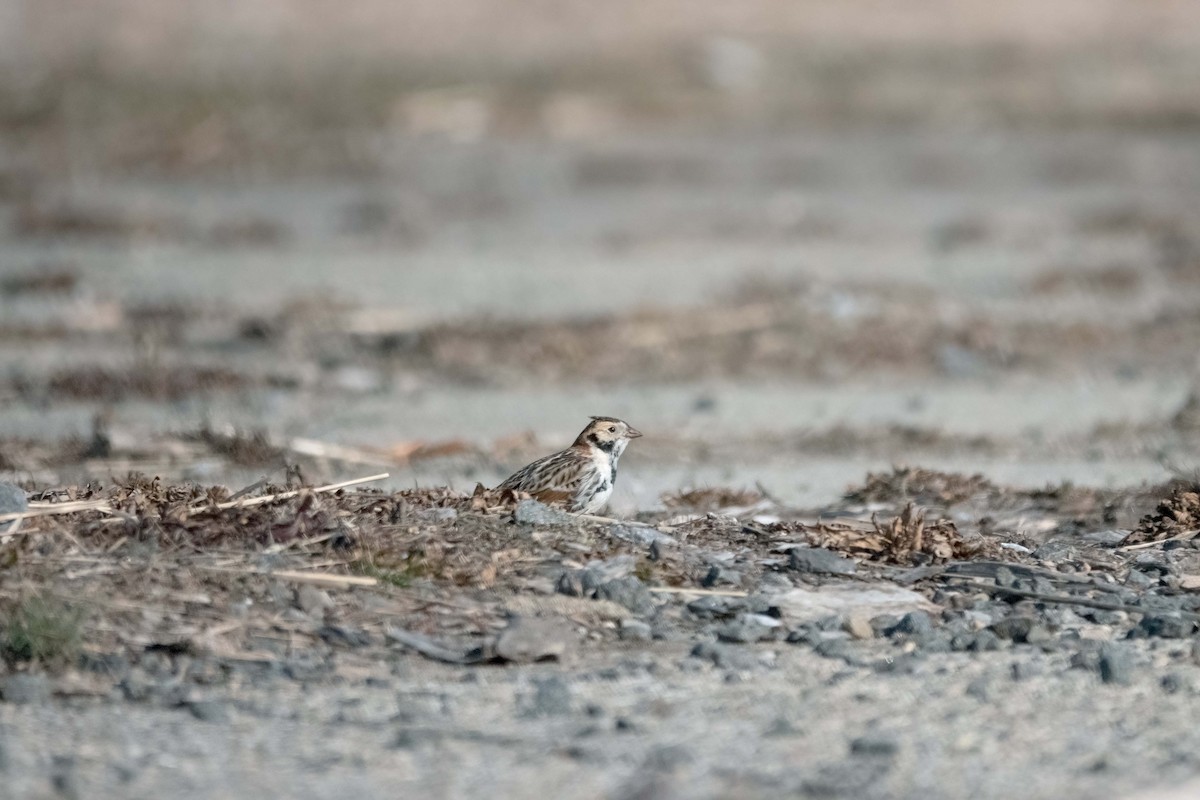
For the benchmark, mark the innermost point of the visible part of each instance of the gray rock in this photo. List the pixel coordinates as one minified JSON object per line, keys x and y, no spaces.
{"x":25,"y":688}
{"x":914,"y":623}
{"x":717,"y":607}
{"x":634,"y":630}
{"x":526,"y":640}
{"x":718,"y":575}
{"x":1173,"y":682}
{"x":874,"y":744}
{"x":1140,"y":580}
{"x":985,"y":641}
{"x":636,"y":534}
{"x":629,"y":592}
{"x":820,"y":560}
{"x":1110,"y":538}
{"x":725,"y":656}
{"x":531,"y":512}
{"x":597,"y":573}
{"x":748,"y":628}
{"x":858,"y":627}
{"x":209,"y":710}
{"x":1116,"y":665}
{"x":1014,"y":629}
{"x":1164,"y":626}
{"x":12,"y":501}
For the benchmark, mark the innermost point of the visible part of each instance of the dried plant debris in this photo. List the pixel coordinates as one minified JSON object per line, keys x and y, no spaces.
{"x":711,"y":498}
{"x":924,"y":486}
{"x":1178,"y":516}
{"x":906,"y":539}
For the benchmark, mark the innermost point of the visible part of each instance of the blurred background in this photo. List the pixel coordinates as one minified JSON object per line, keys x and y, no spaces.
{"x":790,"y":241}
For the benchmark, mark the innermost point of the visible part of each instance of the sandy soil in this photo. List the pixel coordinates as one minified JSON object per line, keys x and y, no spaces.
{"x":794,"y":246}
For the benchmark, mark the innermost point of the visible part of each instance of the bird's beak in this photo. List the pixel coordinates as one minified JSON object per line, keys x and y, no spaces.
{"x":633,"y":433}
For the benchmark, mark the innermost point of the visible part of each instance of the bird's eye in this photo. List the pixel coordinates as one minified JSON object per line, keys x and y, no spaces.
{"x":612,"y":428}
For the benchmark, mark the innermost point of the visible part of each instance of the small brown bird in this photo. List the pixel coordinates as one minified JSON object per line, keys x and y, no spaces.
{"x":581,"y":477}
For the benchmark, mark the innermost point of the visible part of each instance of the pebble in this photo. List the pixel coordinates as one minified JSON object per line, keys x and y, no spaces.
{"x":1173,"y":682}
{"x":208,"y":710}
{"x":859,"y":627}
{"x":532,"y":512}
{"x":636,"y":534}
{"x":724,"y":656}
{"x":748,"y":628}
{"x":527,"y":640}
{"x":634,"y":630}
{"x":1109,"y":538}
{"x":818,"y":559}
{"x":874,"y":744}
{"x":629,"y":592}
{"x":1116,"y":665}
{"x":914,"y":623}
{"x":1165,"y":626}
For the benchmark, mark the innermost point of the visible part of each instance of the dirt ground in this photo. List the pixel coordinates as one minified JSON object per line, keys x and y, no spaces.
{"x":907,"y":306}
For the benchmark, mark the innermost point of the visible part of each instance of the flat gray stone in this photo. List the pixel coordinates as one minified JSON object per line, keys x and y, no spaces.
{"x":531,"y":512}
{"x":818,"y":559}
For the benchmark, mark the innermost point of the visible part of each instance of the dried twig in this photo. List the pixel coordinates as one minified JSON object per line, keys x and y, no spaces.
{"x":705,"y":592}
{"x":271,"y":498}
{"x":1183,"y":537}
{"x":319,"y":578}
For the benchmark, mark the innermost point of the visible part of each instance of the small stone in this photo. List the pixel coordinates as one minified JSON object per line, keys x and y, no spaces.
{"x":1005,"y":578}
{"x":1173,"y":682}
{"x":717,"y":576}
{"x":748,"y":628}
{"x":209,"y":710}
{"x":1140,"y":580}
{"x":636,"y":534}
{"x":1165,"y":626}
{"x":1110,"y":538}
{"x":527,"y":640}
{"x":914,"y":623}
{"x":978,"y":689}
{"x":634,"y":630}
{"x":820,"y":560}
{"x":724,"y":656}
{"x":985,"y":641}
{"x":629,"y":592}
{"x":25,"y":688}
{"x":883,"y":623}
{"x":859,"y":627}
{"x":1014,"y":629}
{"x":532,"y":512}
{"x":1116,"y":665}
{"x":874,"y":744}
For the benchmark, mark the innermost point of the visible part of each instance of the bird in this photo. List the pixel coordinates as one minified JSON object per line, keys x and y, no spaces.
{"x":581,"y":477}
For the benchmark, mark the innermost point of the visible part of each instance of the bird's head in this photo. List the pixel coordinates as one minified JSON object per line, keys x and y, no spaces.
{"x":608,"y":434}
